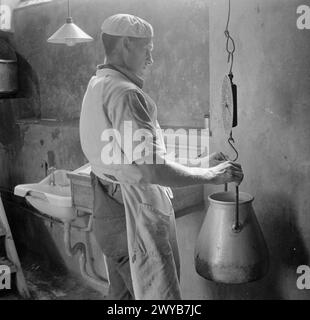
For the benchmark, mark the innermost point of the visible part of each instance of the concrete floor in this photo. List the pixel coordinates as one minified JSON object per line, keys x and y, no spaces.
{"x":47,"y":282}
{"x":44,"y":285}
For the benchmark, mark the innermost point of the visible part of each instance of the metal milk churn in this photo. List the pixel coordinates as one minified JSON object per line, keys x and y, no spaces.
{"x":8,"y":69}
{"x":227,"y":254}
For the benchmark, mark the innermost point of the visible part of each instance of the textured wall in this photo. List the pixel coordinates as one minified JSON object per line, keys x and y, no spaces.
{"x":56,"y":143}
{"x":272,"y":73}
{"x":179,"y":79}
{"x":53,"y":78}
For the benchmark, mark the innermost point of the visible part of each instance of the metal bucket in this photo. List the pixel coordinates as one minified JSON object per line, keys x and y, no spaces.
{"x":225,"y":255}
{"x":8,"y":69}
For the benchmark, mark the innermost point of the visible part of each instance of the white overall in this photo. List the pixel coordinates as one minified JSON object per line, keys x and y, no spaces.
{"x":149,"y":215}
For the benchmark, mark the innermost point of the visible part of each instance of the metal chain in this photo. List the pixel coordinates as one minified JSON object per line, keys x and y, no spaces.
{"x":231,"y":60}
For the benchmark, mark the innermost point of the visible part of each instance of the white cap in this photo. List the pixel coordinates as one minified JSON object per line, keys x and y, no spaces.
{"x":127,"y":25}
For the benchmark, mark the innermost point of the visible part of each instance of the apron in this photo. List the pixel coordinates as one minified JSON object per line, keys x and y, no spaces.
{"x":151,"y":239}
{"x":149,"y":217}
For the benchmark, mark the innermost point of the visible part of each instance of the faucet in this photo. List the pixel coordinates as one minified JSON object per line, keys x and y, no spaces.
{"x":51,"y":170}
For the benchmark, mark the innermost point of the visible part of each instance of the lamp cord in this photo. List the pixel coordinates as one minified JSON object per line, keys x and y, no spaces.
{"x":69,"y":13}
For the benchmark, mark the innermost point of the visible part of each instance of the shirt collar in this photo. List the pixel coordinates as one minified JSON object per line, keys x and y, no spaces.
{"x":130,"y":75}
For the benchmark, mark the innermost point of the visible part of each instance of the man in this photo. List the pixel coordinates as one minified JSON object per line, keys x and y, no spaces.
{"x":134,"y":221}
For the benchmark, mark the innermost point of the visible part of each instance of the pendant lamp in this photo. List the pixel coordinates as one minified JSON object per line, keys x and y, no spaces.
{"x":69,"y":33}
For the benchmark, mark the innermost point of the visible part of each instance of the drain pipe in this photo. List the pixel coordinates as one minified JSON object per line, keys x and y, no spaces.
{"x":84,"y":256}
{"x":78,"y":247}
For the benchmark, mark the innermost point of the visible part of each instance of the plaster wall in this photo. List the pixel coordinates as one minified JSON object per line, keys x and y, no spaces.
{"x":271,"y":70}
{"x":178,"y":81}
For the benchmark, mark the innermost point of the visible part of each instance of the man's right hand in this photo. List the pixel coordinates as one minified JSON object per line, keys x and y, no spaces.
{"x":225,"y":172}
{"x":173,"y":174}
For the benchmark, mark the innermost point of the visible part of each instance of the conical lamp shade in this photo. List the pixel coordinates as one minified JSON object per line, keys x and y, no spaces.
{"x":69,"y":34}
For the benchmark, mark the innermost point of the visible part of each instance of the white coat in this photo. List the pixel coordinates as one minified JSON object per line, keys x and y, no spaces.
{"x":114,"y":96}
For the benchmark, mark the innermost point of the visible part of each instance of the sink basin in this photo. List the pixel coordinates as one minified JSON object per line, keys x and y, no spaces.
{"x":53,"y":200}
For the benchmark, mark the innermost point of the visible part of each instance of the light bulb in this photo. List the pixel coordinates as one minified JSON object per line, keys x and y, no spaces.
{"x":70,"y":42}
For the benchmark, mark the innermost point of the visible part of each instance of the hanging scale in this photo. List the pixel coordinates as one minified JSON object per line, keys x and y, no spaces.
{"x":229,"y":109}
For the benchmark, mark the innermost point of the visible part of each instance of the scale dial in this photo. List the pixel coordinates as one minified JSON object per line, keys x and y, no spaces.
{"x":227,"y":105}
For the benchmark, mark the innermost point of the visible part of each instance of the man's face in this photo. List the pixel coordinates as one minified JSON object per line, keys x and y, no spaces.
{"x":139,"y":56}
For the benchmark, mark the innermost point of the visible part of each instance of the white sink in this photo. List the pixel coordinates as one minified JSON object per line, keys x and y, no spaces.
{"x":53,"y":200}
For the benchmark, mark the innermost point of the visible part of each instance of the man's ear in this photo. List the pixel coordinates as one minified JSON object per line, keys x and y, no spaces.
{"x":127,"y":43}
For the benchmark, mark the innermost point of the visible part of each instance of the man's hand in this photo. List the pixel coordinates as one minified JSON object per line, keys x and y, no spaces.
{"x":225,"y":172}
{"x":173,"y":174}
{"x":217,"y":158}
{"x":208,"y":161}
